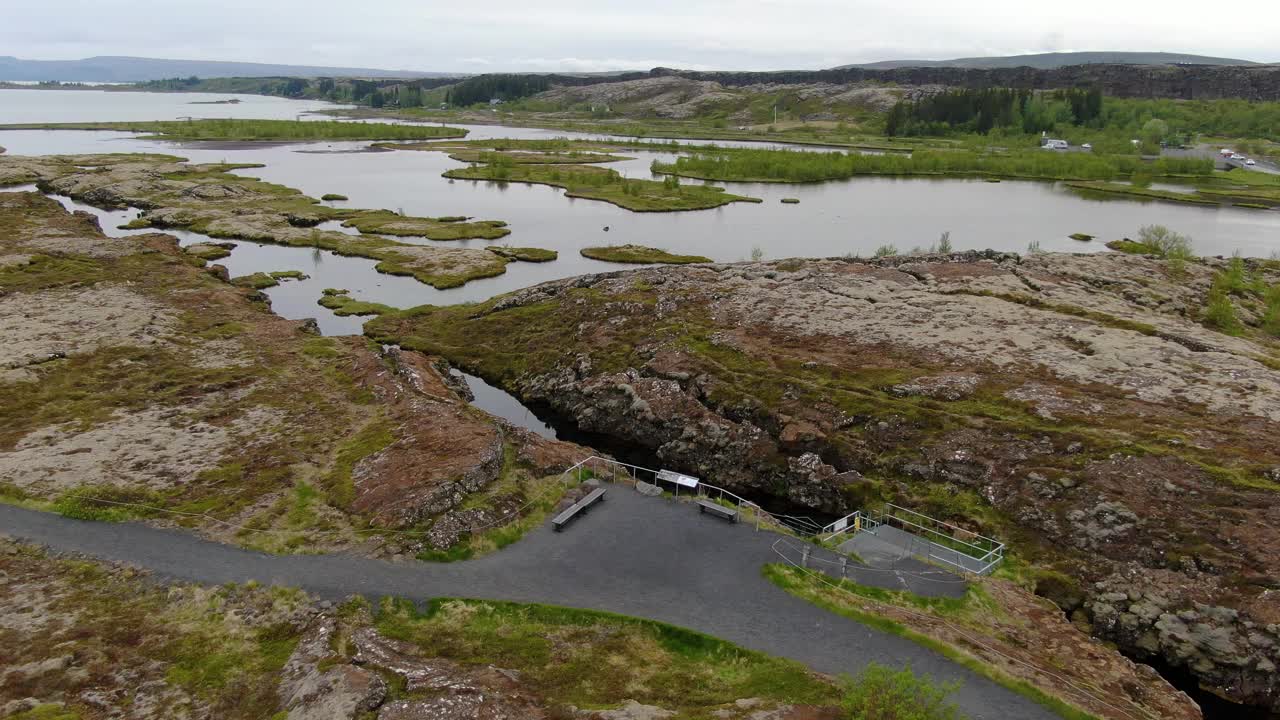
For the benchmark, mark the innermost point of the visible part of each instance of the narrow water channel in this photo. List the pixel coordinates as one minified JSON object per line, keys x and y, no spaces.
{"x":503,"y":404}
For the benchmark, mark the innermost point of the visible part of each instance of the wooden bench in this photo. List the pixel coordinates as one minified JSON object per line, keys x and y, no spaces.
{"x":578,"y":508}
{"x":706,"y":506}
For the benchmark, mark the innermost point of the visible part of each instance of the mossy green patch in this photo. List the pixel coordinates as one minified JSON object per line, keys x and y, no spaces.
{"x":247,"y":130}
{"x":560,"y":653}
{"x":1131,"y":247}
{"x":343,"y":304}
{"x":107,"y":503}
{"x":47,"y":711}
{"x":524,"y":254}
{"x":803,"y":585}
{"x":88,"y":389}
{"x":639,"y":254}
{"x":256,"y":281}
{"x":383,"y":222}
{"x":595,"y":183}
{"x":48,"y":271}
{"x":374,"y":436}
{"x":1139,"y":192}
{"x":207,"y":251}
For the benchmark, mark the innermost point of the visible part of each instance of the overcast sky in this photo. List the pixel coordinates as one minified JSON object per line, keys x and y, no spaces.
{"x":589,"y":35}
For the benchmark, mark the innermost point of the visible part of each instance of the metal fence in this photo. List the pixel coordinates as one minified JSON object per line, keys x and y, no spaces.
{"x":677,"y":484}
{"x":943,"y":542}
{"x":931,"y":539}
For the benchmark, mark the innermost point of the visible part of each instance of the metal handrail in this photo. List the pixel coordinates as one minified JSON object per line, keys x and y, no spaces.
{"x":950,"y":539}
{"x":740,"y":501}
{"x":988,"y":556}
{"x":992,"y":543}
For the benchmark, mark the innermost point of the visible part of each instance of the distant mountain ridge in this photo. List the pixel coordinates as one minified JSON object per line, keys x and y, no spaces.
{"x":1048,"y":61}
{"x":112,"y":68}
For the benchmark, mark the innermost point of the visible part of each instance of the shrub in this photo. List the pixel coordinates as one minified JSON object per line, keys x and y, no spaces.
{"x":944,"y":242}
{"x":1271,"y":317}
{"x":1165,"y":242}
{"x":1236,"y":279}
{"x":885,"y":251}
{"x":878,"y":693}
{"x":106,"y":503}
{"x":1220,"y":314}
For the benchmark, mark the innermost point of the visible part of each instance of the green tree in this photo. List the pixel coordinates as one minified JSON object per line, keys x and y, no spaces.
{"x":1154,"y":131}
{"x":1165,"y":242}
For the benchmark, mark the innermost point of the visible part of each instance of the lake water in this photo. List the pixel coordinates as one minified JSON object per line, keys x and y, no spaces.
{"x":50,"y":106}
{"x":835,"y":218}
{"x":499,"y":402}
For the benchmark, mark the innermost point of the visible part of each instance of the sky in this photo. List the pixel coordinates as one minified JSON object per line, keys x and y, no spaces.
{"x":597,"y":35}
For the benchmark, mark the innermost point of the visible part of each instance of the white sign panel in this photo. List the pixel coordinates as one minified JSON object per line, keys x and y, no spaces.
{"x":674,"y":477}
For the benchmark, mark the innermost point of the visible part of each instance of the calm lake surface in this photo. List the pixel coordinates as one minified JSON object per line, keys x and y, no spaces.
{"x":50,"y":106}
{"x":835,"y":218}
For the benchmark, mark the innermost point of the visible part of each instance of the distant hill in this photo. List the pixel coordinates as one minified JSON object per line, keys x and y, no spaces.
{"x":136,"y":69}
{"x":1048,"y":61}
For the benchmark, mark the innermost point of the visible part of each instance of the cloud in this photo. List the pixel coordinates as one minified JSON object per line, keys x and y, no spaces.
{"x":586,"y":65}
{"x":596,"y":35}
{"x":1051,"y":42}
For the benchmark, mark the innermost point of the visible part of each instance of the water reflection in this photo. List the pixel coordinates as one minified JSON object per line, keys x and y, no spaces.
{"x":292,"y":299}
{"x":504,"y":405}
{"x":56,"y":106}
{"x":835,"y":218}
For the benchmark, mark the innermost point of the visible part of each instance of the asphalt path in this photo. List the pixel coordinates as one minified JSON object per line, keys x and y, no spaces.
{"x":631,"y":554}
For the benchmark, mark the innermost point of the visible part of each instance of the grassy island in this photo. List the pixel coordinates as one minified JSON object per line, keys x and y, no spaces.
{"x":208,"y":199}
{"x":789,"y":166}
{"x":525,"y":254}
{"x":594,"y":183}
{"x":640,"y":254}
{"x":249,"y":130}
{"x":342,"y":304}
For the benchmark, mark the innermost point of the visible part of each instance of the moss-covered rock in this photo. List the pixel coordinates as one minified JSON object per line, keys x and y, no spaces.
{"x":639,"y":254}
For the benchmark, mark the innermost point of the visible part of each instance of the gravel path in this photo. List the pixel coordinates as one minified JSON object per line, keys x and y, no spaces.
{"x":631,"y":554}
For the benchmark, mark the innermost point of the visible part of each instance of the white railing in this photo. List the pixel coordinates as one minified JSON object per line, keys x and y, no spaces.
{"x":850,"y":524}
{"x":978,"y":547}
{"x":986,"y":553}
{"x":607,"y":467}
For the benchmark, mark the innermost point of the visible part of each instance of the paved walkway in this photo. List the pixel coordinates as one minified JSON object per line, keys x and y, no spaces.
{"x":631,"y":554}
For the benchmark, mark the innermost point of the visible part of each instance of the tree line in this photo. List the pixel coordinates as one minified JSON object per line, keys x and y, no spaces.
{"x":966,"y":110}
{"x":484,"y":88}
{"x":798,"y":166}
